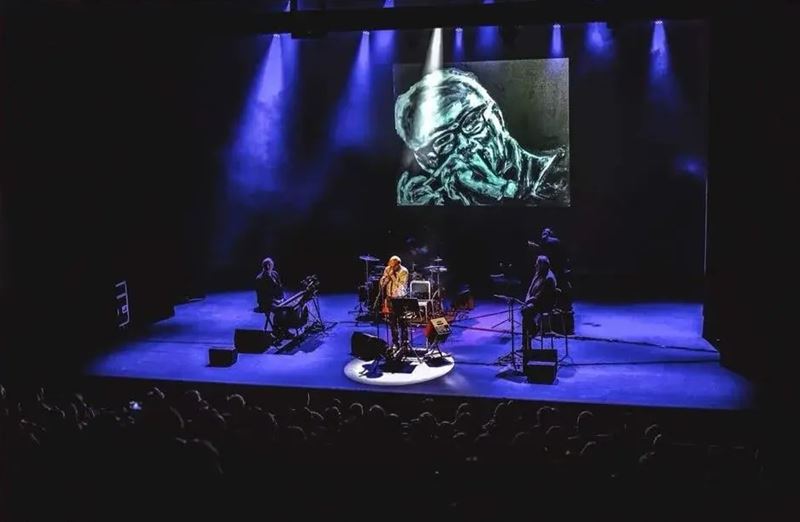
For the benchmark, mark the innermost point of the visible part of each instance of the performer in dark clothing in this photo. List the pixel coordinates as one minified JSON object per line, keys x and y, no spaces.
{"x":551,"y":246}
{"x":269,"y":289}
{"x":541,"y":298}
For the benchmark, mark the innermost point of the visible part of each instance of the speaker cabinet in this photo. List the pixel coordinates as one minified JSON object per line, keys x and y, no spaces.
{"x":437,"y":329}
{"x":251,"y":341}
{"x":222,"y":356}
{"x":367,"y":347}
{"x":540,"y":366}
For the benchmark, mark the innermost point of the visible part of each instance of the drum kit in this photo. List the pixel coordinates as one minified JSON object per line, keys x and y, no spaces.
{"x":425,"y":285}
{"x":368,"y":291}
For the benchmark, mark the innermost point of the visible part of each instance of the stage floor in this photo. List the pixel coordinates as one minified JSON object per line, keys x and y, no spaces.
{"x":639,"y":354}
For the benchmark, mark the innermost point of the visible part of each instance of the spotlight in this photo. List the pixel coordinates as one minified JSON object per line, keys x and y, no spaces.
{"x":365,"y":33}
{"x":434,"y":59}
{"x":458,"y":45}
{"x":556,"y":44}
{"x":659,"y":22}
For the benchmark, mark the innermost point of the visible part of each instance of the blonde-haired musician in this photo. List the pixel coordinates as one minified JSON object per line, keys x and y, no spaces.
{"x":394,"y":284}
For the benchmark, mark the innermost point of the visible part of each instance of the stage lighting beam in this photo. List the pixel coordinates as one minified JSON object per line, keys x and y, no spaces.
{"x":434,"y":59}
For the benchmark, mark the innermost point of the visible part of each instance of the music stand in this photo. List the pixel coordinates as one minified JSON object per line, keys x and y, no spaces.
{"x":402,"y":307}
{"x":505,"y":285}
{"x":406,"y":305}
{"x":511,"y":356}
{"x":315,"y":312}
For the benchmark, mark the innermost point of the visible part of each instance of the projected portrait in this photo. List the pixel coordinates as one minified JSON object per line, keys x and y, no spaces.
{"x":464,"y":154}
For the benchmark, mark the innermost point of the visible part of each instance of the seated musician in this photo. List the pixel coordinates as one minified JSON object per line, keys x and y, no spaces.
{"x":394,"y":284}
{"x":269,"y":289}
{"x":541,"y":298}
{"x":551,"y":246}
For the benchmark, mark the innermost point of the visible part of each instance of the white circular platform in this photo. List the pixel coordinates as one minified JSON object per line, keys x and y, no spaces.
{"x":411,"y":371}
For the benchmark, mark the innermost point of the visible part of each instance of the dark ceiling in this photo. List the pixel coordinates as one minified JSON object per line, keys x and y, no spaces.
{"x":314,"y":17}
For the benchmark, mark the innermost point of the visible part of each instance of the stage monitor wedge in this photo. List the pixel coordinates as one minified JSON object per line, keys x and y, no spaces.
{"x":540,"y":366}
{"x":437,"y":330}
{"x":251,"y":341}
{"x":222,"y":356}
{"x":367,"y":347}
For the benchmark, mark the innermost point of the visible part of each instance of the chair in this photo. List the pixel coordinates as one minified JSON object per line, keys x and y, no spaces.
{"x":421,"y":290}
{"x":545,"y":326}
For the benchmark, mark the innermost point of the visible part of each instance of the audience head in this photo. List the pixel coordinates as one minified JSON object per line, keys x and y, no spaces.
{"x":651,"y":432}
{"x":333,"y":416}
{"x":585,"y":425}
{"x":235,"y":403}
{"x":203,"y":458}
{"x":465,"y":422}
{"x":522,"y":440}
{"x":317,"y":420}
{"x":202,"y":450}
{"x":376,"y":413}
{"x":501,"y":413}
{"x":356,"y":409}
{"x":295,"y":435}
{"x":546,"y":417}
{"x":464,"y":407}
{"x":660,"y":442}
{"x":192,"y":397}
{"x":445,"y":430}
{"x":428,"y":423}
{"x":154,"y":398}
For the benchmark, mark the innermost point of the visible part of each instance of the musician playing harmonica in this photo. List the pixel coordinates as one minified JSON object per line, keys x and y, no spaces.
{"x":394,"y":284}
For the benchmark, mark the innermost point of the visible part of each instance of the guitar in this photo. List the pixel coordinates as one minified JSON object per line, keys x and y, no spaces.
{"x":386,"y":308}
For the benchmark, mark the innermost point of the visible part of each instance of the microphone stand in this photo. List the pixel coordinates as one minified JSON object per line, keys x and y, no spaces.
{"x":316,"y":313}
{"x":512,"y":356}
{"x":377,"y":309}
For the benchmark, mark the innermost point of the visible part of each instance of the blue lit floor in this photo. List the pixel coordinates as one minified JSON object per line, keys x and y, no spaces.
{"x":642,"y":354}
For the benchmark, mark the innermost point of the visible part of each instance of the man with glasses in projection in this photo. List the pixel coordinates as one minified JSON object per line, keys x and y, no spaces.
{"x":464,"y":151}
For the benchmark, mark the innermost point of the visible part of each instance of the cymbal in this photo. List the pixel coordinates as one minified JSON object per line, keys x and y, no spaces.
{"x":436,"y":268}
{"x":369,"y":258}
{"x":438,"y":260}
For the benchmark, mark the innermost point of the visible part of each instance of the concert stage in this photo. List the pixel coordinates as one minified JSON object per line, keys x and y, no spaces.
{"x":641,"y":354}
